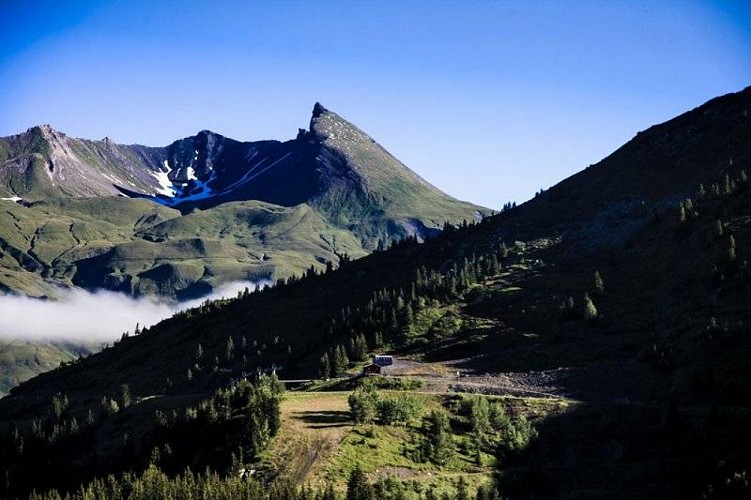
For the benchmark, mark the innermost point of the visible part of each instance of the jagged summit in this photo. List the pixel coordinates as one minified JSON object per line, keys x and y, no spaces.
{"x":330,"y":191}
{"x":339,"y":169}
{"x":318,"y":110}
{"x":42,"y":127}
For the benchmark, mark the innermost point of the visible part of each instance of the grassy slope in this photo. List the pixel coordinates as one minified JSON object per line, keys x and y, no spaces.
{"x":65,"y":239}
{"x":319,"y":444}
{"x":20,"y":360}
{"x":142,"y":248}
{"x":366,"y":186}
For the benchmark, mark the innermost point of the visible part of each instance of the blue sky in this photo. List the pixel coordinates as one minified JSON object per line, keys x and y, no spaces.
{"x":490,"y":101}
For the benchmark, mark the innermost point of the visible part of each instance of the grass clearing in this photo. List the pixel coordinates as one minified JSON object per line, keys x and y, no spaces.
{"x":319,"y":443}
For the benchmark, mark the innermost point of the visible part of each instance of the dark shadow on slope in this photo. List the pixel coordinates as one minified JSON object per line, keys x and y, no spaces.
{"x":332,"y":418}
{"x":618,"y":451}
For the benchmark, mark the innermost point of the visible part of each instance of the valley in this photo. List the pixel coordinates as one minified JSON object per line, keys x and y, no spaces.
{"x":175,"y":224}
{"x":599,"y":332}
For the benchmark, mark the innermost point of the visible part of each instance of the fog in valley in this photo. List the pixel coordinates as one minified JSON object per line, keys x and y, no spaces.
{"x":101,"y":316}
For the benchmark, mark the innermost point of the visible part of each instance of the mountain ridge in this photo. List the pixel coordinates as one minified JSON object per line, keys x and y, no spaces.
{"x":50,"y":175}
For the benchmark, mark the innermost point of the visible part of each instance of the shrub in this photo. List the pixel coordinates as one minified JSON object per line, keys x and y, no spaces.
{"x":362,"y":405}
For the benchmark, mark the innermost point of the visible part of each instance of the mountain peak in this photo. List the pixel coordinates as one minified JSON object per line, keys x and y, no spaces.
{"x":318,"y":110}
{"x":45,"y":129}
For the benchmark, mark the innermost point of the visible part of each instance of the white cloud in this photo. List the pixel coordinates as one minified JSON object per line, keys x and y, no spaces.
{"x":80,"y":315}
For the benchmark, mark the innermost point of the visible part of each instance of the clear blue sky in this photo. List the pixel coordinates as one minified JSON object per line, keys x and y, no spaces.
{"x":490,"y":101}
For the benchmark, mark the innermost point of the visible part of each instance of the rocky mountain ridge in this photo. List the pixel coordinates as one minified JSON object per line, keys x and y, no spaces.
{"x":236,"y":210}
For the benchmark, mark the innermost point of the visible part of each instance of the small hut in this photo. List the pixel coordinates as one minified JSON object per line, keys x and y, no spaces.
{"x":383,"y":360}
{"x":371,"y":369}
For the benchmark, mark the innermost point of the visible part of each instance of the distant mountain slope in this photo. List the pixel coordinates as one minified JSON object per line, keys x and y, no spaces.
{"x":94,"y":214}
{"x":23,"y":359}
{"x":335,"y":168}
{"x":42,"y":163}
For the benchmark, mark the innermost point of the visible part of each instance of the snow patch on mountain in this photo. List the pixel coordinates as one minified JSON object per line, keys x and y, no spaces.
{"x":194,"y":190}
{"x":166,"y":187}
{"x":173,"y":193}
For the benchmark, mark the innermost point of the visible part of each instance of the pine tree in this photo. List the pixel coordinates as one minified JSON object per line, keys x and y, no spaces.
{"x":340,"y":361}
{"x":439,"y":445}
{"x":409,"y":316}
{"x":325,"y":369}
{"x":358,"y":487}
{"x":360,"y":348}
{"x":461,"y":489}
{"x":599,"y":284}
{"x":393,"y":323}
{"x":229,"y":350}
{"x":503,"y":251}
{"x":494,"y":268}
{"x":689,"y":206}
{"x":125,"y":396}
{"x":590,"y":311}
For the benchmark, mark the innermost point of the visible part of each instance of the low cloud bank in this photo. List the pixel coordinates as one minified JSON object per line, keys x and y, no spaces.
{"x":80,"y":315}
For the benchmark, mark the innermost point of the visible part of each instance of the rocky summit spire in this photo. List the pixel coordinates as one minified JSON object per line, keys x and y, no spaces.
{"x":318,"y":110}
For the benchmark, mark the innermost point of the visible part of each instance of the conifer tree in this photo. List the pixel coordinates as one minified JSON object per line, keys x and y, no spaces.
{"x":340,"y":362}
{"x":439,"y":445}
{"x":503,"y":251}
{"x":461,"y":489}
{"x":590,"y":311}
{"x":325,"y":369}
{"x":125,"y":396}
{"x":229,"y":350}
{"x":358,"y":487}
{"x":360,"y":348}
{"x":409,"y":316}
{"x":599,"y":284}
